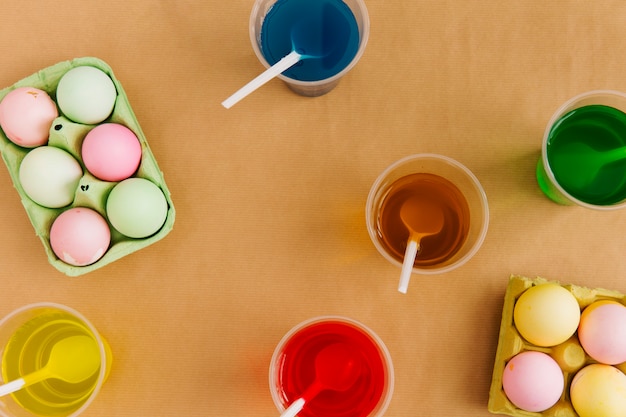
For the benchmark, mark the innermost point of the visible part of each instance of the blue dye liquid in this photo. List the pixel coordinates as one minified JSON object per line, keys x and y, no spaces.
{"x":326,"y":29}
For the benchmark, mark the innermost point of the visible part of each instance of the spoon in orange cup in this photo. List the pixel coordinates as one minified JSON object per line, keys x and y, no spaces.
{"x":423,"y":218}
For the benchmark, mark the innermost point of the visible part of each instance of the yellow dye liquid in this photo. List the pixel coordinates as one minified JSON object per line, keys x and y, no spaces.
{"x":28,"y":350}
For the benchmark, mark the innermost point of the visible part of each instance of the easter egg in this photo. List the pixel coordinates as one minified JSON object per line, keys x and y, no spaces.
{"x":111,"y":152}
{"x":136,"y":208}
{"x":50,"y":176}
{"x":80,"y":236}
{"x":599,"y":390}
{"x":533,"y":381}
{"x":26,"y":115}
{"x":86,"y":95}
{"x":602,"y":331}
{"x":546,"y":314}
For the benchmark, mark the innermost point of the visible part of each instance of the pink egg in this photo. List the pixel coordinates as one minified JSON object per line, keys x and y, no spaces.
{"x":80,"y":236}
{"x":533,"y":381}
{"x":26,"y":115}
{"x":111,"y":152}
{"x":602,"y":331}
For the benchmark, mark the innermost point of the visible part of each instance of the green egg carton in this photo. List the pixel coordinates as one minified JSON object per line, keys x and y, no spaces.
{"x":91,"y":192}
{"x":569,"y":355}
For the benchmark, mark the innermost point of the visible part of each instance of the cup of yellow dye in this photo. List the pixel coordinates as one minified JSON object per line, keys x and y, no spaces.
{"x":27,"y":337}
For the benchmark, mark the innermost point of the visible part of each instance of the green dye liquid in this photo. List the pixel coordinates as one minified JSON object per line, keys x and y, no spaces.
{"x":586,"y":175}
{"x":29,"y":349}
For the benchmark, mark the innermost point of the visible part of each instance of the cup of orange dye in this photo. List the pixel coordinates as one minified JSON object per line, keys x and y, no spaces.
{"x":431,"y":183}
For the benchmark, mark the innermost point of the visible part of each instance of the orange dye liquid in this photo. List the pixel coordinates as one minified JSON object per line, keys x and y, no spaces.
{"x":436,"y":248}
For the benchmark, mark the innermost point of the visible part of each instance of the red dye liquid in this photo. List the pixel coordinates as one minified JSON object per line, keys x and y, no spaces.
{"x":296,"y":371}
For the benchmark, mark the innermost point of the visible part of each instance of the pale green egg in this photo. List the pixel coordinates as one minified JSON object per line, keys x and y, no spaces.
{"x":136,"y":208}
{"x":86,"y":95}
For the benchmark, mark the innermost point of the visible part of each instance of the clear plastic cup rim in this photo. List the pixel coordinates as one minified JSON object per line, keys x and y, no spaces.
{"x":564,"y":108}
{"x":92,"y":329}
{"x":480,"y":238}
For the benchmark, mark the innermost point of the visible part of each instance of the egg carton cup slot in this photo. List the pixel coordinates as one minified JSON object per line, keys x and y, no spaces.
{"x":569,"y":355}
{"x":91,"y":192}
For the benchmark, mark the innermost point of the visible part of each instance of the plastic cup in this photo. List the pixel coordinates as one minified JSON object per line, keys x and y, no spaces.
{"x":292,"y":369}
{"x":318,"y":87}
{"x":26,"y":337}
{"x":605,"y":129}
{"x":465,"y":224}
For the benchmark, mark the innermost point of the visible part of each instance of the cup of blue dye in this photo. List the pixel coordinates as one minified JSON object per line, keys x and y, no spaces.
{"x":332,"y":33}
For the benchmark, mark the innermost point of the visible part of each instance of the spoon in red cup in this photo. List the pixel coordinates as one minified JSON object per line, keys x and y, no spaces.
{"x":336,"y":368}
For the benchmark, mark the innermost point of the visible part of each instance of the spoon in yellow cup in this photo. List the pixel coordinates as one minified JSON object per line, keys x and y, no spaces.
{"x":73,"y":360}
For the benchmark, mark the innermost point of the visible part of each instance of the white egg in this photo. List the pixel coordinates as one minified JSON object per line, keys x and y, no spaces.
{"x":50,"y":176}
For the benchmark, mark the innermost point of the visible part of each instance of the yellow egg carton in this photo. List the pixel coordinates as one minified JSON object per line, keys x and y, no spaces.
{"x":91,"y":192}
{"x":569,"y":355}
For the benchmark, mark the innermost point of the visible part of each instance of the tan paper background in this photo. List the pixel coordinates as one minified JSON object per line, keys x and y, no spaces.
{"x":270,"y":194}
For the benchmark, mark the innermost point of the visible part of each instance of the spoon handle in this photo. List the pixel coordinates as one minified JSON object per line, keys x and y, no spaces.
{"x":26,"y":380}
{"x":294,"y":408}
{"x":12,"y":386}
{"x":407,"y":266}
{"x":285,"y":63}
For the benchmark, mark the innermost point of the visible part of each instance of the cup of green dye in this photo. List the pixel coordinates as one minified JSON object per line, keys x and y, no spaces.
{"x":583,"y":156}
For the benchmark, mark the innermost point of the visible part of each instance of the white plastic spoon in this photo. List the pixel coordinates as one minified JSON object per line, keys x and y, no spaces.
{"x":301,"y":40}
{"x":423,"y":218}
{"x":284,"y":64}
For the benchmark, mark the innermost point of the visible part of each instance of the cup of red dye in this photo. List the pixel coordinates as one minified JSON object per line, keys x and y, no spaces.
{"x":296,"y":364}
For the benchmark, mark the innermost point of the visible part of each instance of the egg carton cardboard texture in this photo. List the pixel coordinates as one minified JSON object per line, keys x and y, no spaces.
{"x":569,"y":355}
{"x":91,"y":192}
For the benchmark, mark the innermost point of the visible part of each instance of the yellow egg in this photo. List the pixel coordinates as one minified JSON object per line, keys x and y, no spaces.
{"x":599,"y":390}
{"x":546,"y":314}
